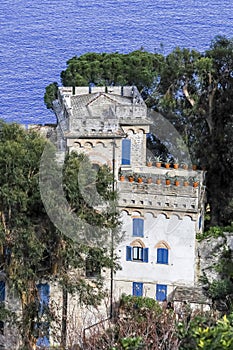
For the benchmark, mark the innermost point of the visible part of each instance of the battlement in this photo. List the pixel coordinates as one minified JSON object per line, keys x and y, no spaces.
{"x":182,"y":194}
{"x":125,"y":91}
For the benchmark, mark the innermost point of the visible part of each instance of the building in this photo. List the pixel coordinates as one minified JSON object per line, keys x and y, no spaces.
{"x":160,"y":222}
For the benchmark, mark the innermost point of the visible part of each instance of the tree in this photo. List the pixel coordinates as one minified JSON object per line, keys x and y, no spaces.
{"x":50,"y":94}
{"x":136,"y":68}
{"x":32,"y":248}
{"x":195,"y":93}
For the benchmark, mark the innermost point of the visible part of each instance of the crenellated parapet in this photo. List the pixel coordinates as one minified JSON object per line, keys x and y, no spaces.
{"x":150,"y":191}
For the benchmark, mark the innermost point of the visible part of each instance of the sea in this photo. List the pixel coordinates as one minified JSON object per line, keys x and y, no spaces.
{"x":38,"y":37}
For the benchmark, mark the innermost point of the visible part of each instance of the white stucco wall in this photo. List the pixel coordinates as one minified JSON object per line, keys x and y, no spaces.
{"x":180,"y":237}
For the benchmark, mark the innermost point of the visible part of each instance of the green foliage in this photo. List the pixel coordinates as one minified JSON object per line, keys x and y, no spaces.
{"x":85,"y":188}
{"x":136,"y":68}
{"x":50,"y":95}
{"x":31,"y":248}
{"x":186,"y":333}
{"x":214,"y":231}
{"x":130,"y":303}
{"x":206,"y":333}
{"x":134,"y":343}
{"x":219,"y":289}
{"x":217,"y":337}
{"x":222,"y":289}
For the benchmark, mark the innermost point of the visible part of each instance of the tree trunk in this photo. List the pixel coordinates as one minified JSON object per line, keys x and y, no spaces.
{"x":28,"y":299}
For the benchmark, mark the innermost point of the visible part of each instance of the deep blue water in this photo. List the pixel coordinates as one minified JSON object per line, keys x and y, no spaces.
{"x":38,"y":37}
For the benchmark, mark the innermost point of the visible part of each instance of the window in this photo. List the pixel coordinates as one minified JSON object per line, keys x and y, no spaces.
{"x":162,"y":252}
{"x":137,"y":254}
{"x":162,"y":256}
{"x":126,"y":151}
{"x":161,"y":292}
{"x":43,"y":327}
{"x":137,"y":289}
{"x":138,"y":227}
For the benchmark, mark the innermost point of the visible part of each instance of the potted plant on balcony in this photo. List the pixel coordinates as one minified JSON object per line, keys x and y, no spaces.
{"x":195,"y":181}
{"x":131,"y":177}
{"x":176,"y":181}
{"x":176,"y":163}
{"x":167,"y":162}
{"x":121,"y":176}
{"x":158,"y":161}
{"x":139,"y":178}
{"x":167,"y":179}
{"x":149,"y":161}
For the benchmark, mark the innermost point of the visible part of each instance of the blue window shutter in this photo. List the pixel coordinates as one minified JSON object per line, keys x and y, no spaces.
{"x":129,"y":252}
{"x":44,"y":340}
{"x":44,"y":293}
{"x":162,"y":256}
{"x":2,"y":291}
{"x":145,"y":254}
{"x":161,"y":292}
{"x":126,"y":151}
{"x":138,"y":227}
{"x":138,"y":289}
{"x":43,"y":290}
{"x":200,"y":223}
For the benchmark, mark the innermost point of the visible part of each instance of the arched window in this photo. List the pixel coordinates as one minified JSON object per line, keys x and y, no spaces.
{"x":137,"y":251}
{"x":162,"y":252}
{"x":162,"y":256}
